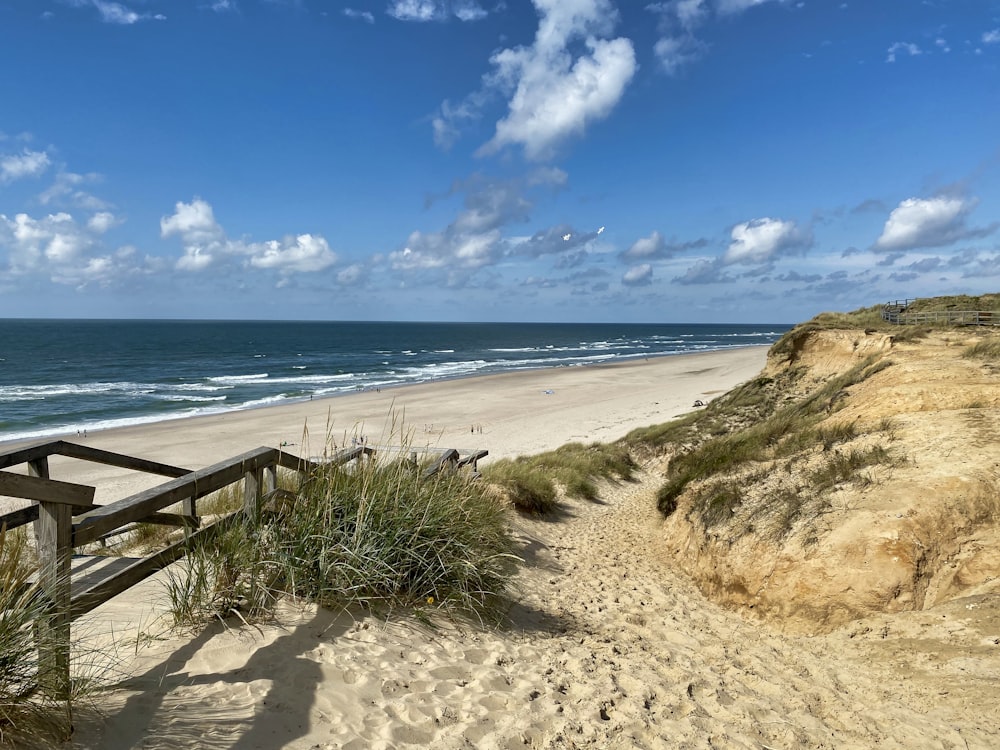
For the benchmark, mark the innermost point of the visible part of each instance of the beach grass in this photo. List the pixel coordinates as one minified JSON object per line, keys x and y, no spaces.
{"x":29,"y":714}
{"x":374,"y":534}
{"x":531,"y":482}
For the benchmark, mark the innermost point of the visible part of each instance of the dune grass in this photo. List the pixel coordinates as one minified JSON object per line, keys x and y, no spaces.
{"x":531,"y":482}
{"x":987,"y":349}
{"x":29,"y":715}
{"x":373,"y":534}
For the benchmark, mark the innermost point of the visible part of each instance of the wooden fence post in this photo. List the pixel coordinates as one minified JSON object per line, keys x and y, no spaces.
{"x":38,"y":468}
{"x":55,"y":552}
{"x":252,"y":492}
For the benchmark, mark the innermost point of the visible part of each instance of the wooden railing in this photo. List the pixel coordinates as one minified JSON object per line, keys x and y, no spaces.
{"x":66,"y":518}
{"x":896,"y":312}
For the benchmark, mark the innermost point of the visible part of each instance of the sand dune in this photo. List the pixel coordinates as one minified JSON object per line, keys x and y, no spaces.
{"x":608,"y":647}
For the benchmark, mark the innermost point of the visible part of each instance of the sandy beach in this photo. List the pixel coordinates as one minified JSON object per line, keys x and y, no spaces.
{"x":608,"y":645}
{"x":508,"y":414}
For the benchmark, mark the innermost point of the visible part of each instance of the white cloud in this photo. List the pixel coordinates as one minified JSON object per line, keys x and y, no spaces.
{"x":223,"y":6}
{"x":640,"y":275}
{"x":422,"y":11}
{"x":102,"y":221}
{"x":28,"y":163}
{"x":762,"y":240}
{"x":646,"y":247}
{"x":205,"y":243}
{"x":352,"y":275}
{"x":676,"y":52}
{"x":194,"y":223}
{"x":680,"y":19}
{"x":466,"y":10}
{"x":571,"y":76}
{"x":928,"y":222}
{"x":117,"y":13}
{"x":992,"y":37}
{"x":66,"y":190}
{"x":359,"y":15}
{"x":301,"y":254}
{"x":908,"y":47}
{"x":415,"y":10}
{"x":58,"y":247}
{"x":737,"y":6}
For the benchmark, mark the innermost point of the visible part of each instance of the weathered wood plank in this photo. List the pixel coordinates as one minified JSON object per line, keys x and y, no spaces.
{"x":194,"y":485}
{"x":84,"y":601}
{"x":473,"y":458}
{"x":19,"y":517}
{"x":55,"y":529}
{"x":450,"y":456}
{"x":96,"y":455}
{"x":24,"y":455}
{"x":47,"y":490}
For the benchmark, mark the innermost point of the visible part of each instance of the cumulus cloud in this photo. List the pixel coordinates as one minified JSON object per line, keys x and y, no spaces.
{"x":359,"y":15}
{"x":67,"y":189}
{"x":205,"y":243}
{"x":762,"y":240}
{"x":655,"y":246}
{"x":676,"y":52}
{"x":571,"y":76}
{"x":705,"y":272}
{"x":679,"y":20}
{"x":737,"y":6}
{"x":908,"y":47}
{"x":28,"y":163}
{"x":352,"y":275}
{"x":929,"y":222}
{"x":556,"y":240}
{"x":102,"y":221}
{"x":992,"y":37}
{"x":474,"y":239}
{"x":641,"y":275}
{"x":422,"y":11}
{"x":58,"y":247}
{"x":117,"y":13}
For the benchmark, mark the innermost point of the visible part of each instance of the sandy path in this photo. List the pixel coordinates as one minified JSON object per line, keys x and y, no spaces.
{"x":610,"y":649}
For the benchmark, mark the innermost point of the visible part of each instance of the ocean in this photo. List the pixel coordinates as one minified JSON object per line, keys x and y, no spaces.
{"x":58,"y":377}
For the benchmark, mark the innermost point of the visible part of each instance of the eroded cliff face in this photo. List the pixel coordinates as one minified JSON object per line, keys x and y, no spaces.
{"x":917,"y":526}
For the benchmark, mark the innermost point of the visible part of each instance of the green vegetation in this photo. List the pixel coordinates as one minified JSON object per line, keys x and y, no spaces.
{"x":988,"y":349}
{"x":981,"y":303}
{"x":373,"y":534}
{"x":530,"y":482}
{"x":28,"y":715}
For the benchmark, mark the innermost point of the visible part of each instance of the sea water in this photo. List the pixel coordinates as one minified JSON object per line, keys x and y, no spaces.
{"x":58,"y":377}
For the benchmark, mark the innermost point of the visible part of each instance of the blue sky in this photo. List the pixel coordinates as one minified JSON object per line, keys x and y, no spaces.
{"x":507,"y":160}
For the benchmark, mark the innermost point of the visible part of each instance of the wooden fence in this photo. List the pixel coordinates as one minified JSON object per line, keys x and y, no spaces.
{"x":896,"y":312}
{"x":67,"y":518}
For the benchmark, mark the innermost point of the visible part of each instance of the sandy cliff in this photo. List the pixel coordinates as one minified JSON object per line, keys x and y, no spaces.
{"x":911,"y":518}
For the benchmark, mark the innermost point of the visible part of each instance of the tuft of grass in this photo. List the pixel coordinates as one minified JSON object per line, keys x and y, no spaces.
{"x":374,"y":534}
{"x":29,"y":716}
{"x":844,"y":466}
{"x":988,"y":349}
{"x":530,"y":481}
{"x":529,"y":488}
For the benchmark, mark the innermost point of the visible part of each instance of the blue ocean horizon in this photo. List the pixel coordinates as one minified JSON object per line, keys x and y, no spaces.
{"x":58,"y":377}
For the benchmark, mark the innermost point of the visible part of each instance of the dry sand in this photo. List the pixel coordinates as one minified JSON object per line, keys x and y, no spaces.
{"x":609,"y":646}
